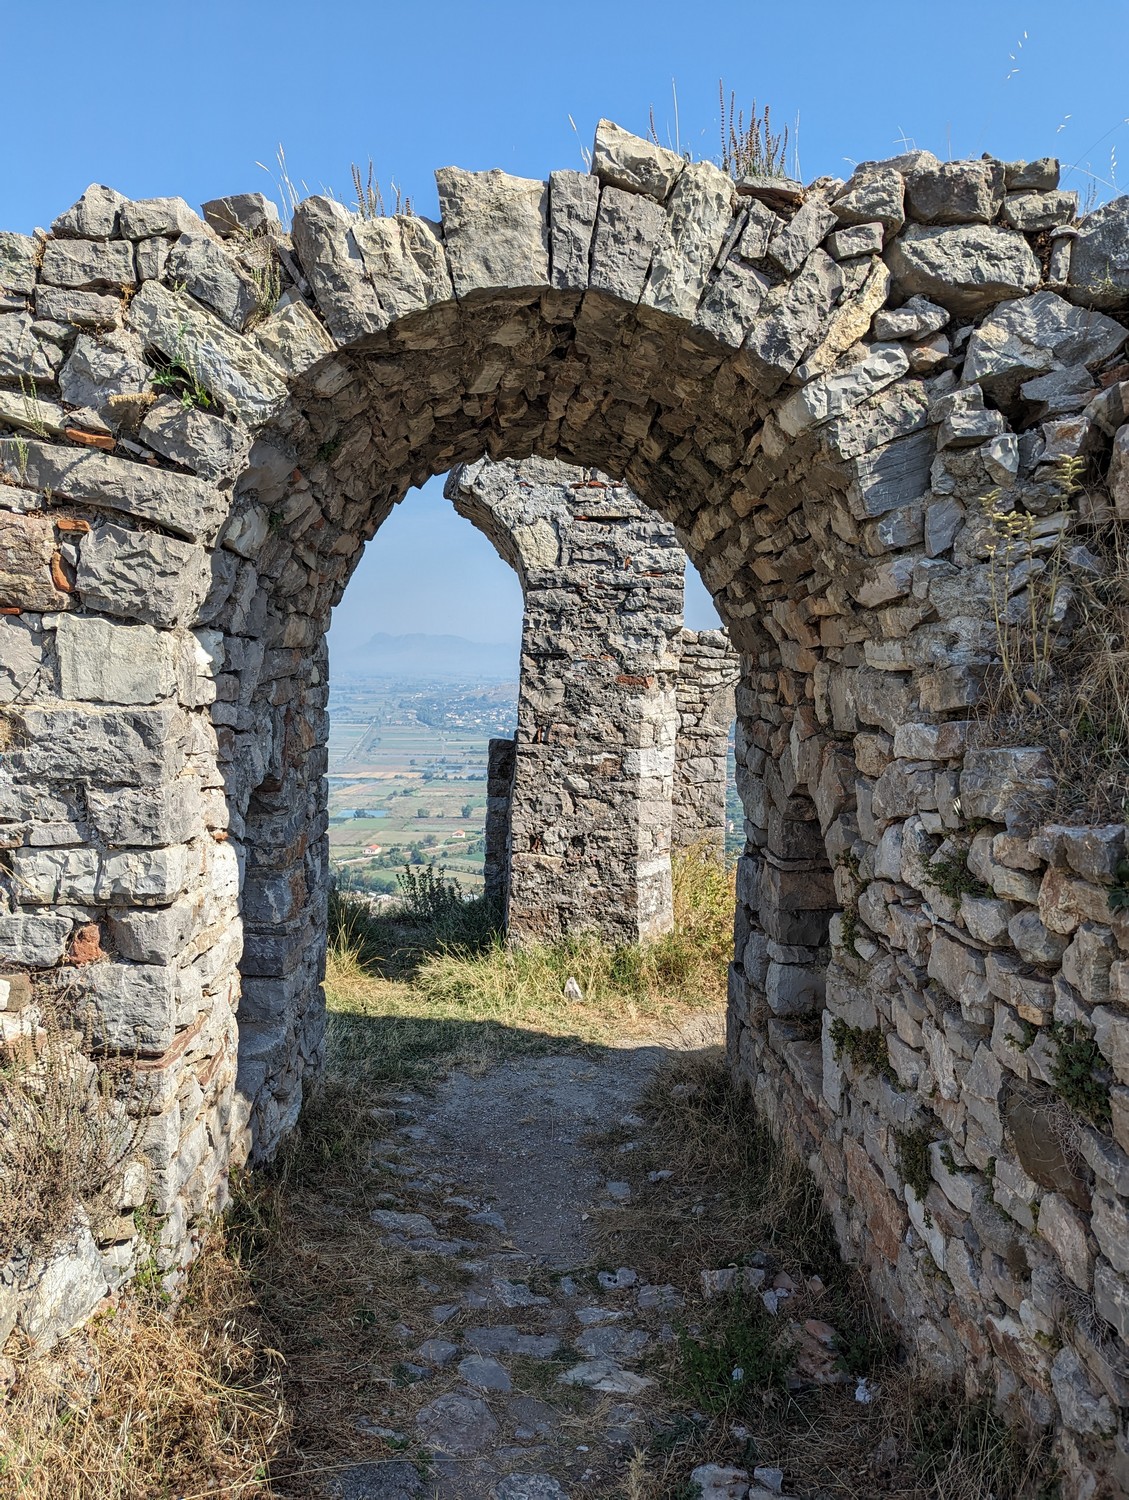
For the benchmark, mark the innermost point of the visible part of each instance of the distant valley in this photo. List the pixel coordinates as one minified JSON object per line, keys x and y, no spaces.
{"x":421,"y":656}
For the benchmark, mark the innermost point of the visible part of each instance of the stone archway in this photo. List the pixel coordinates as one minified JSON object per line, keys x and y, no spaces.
{"x":815,"y":387}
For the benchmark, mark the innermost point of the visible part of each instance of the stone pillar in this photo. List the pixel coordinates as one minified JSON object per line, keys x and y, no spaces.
{"x":707,"y":676}
{"x":593,"y":775}
{"x":499,"y":791}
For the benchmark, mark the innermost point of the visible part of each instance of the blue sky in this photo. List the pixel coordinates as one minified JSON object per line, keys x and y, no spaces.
{"x":186,"y":99}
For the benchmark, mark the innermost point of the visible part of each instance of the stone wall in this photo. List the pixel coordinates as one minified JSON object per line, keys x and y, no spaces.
{"x":623,"y":716}
{"x":850,"y":400}
{"x":708,"y":672}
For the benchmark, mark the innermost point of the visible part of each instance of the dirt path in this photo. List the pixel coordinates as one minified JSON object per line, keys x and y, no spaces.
{"x":519,"y":1378}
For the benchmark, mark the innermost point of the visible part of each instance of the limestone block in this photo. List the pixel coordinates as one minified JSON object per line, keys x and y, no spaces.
{"x":147,"y":816}
{"x":1033,"y":211}
{"x":794,"y":989}
{"x":99,"y":368}
{"x":101,"y":746}
{"x":61,"y":1288}
{"x":874,"y":192}
{"x":19,"y":261}
{"x":794,"y":241}
{"x":34,"y":942}
{"x":195,"y":439}
{"x":212,"y":277}
{"x":1041,"y":175}
{"x":635,"y":165}
{"x":792,"y":321}
{"x":1093,"y":852}
{"x":1087,"y":964}
{"x":88,"y":264}
{"x":955,"y":192}
{"x":1082,"y":1410}
{"x":731,"y":303}
{"x":143,"y":217}
{"x":294,"y":338}
{"x":27,"y":544}
{"x":890,"y":475}
{"x":574,"y":198}
{"x":829,"y":396}
{"x":995,"y":783}
{"x":959,"y":969}
{"x":104,"y":662}
{"x":241,"y":215}
{"x":1033,"y":942}
{"x":1065,"y":902}
{"x":141,"y":575}
{"x":913,"y":320}
{"x":628,"y":227}
{"x":986,"y":919}
{"x":1099,"y":257}
{"x":185,"y":505}
{"x":128,"y":1006}
{"x":82,"y":309}
{"x":404,"y":258}
{"x":858,"y":239}
{"x":22,"y":353}
{"x":1033,"y":335}
{"x":233,"y":369}
{"x":331,"y":259}
{"x":966,"y":269}
{"x":931,"y":741}
{"x":93,"y":217}
{"x":495,"y":229}
{"x":1111,"y":1293}
{"x":699,"y":215}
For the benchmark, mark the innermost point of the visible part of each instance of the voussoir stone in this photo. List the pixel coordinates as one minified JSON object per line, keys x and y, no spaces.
{"x":209,"y":274}
{"x":495,"y":228}
{"x":626,"y":161}
{"x":574,"y":199}
{"x":1099,"y":257}
{"x":331,"y":259}
{"x":403,"y":255}
{"x":792,"y":321}
{"x":628,"y":227}
{"x":967,"y":268}
{"x":699,"y":215}
{"x":294,"y":338}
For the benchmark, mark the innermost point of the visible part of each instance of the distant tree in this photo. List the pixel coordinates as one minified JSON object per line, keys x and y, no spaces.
{"x":422,"y":812}
{"x":468,"y":809}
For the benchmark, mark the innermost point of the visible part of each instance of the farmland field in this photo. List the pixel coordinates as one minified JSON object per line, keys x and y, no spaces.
{"x":407,"y":776}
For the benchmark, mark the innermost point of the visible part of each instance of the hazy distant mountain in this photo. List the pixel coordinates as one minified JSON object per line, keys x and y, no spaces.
{"x":443,"y":656}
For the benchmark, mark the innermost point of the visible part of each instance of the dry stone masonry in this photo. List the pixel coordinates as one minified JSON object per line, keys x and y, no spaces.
{"x":623,"y":716}
{"x":816,"y":387}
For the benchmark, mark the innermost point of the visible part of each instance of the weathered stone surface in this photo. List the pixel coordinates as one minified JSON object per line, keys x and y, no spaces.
{"x":1033,"y":335}
{"x":103,"y":746}
{"x":101,"y":368}
{"x":699,"y":215}
{"x":141,"y":575}
{"x":529,"y":1487}
{"x":457,"y":1424}
{"x":88,"y":264}
{"x":403,"y":256}
{"x":186,"y":506}
{"x":293,"y":338}
{"x":1033,"y":211}
{"x":195,"y":439}
{"x":792,"y":321}
{"x":874,"y":193}
{"x":204,"y":270}
{"x":731,"y":302}
{"x":495,"y":229}
{"x":143,"y":217}
{"x":33,"y":941}
{"x":27,"y":545}
{"x":103,"y":662}
{"x":967,"y":269}
{"x":859,"y":239}
{"x":574,"y":199}
{"x":128,"y":1007}
{"x":61,"y":1288}
{"x":829,"y":396}
{"x":22,"y":353}
{"x":627,"y":229}
{"x":1083,"y":1410}
{"x":1099,"y":257}
{"x":81,"y":309}
{"x":626,"y":161}
{"x":242,"y":215}
{"x":331,"y":259}
{"x":231,"y":368}
{"x":913,"y":320}
{"x":955,"y":192}
{"x":793,"y":242}
{"x":19,"y":260}
{"x":93,"y":217}
{"x":149,"y":816}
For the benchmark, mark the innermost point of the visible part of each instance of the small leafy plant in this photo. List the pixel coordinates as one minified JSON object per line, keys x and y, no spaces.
{"x":1080,"y":1074}
{"x":865,"y":1047}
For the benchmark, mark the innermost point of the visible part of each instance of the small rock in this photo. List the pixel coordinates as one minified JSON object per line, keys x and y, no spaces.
{"x":572,"y":990}
{"x":617,"y":1281}
{"x":394,"y":1480}
{"x":720,"y":1482}
{"x":605,"y":1375}
{"x":438,"y":1352}
{"x":412,"y":1226}
{"x":515,"y":1294}
{"x":485,"y":1373}
{"x":529,"y":1487}
{"x":457,"y":1424}
{"x":618,"y":1192}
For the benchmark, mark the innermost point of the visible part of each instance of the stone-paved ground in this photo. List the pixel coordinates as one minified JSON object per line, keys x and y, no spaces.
{"x":530,"y":1368}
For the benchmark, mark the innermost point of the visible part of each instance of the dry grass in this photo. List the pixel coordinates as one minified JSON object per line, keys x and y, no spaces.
{"x":1063,"y":639}
{"x":142,"y":1405}
{"x":734,"y":1198}
{"x":64,"y":1134}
